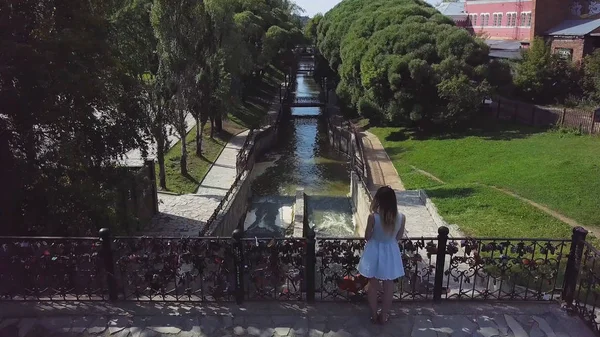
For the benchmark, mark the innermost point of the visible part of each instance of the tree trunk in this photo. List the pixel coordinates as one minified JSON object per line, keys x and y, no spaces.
{"x":198,"y":137}
{"x":212,"y":127}
{"x":201,"y":127}
{"x":160,"y":153}
{"x":219,"y":123}
{"x":183,"y":160}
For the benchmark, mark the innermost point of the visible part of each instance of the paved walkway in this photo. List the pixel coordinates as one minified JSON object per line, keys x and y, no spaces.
{"x":381,"y":169}
{"x":419,"y":221}
{"x":134,"y":157}
{"x":285,"y":319}
{"x":185,"y":215}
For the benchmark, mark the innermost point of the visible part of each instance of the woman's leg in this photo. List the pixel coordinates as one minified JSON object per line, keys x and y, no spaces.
{"x":372,"y":295}
{"x":388,"y":296}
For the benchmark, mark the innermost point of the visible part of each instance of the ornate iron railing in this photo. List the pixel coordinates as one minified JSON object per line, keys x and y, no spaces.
{"x":51,"y":268}
{"x":582,"y":280}
{"x":296,"y":269}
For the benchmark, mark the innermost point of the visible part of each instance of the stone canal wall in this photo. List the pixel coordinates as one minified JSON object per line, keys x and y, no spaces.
{"x":361,"y":203}
{"x":235,"y":210}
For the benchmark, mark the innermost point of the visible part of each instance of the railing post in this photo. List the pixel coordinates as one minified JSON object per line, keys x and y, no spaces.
{"x":109,"y":265}
{"x":311,"y":261}
{"x":573,"y":265}
{"x":440,"y":261}
{"x":238,"y":255}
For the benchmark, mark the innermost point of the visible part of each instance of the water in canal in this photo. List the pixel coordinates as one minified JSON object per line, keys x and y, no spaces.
{"x":302,"y":158}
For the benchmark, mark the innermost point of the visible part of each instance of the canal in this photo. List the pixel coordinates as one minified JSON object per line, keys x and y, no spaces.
{"x":302,"y":158}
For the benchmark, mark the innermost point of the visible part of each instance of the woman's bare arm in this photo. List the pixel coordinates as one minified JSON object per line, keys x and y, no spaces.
{"x":369,"y":229}
{"x":401,"y":231}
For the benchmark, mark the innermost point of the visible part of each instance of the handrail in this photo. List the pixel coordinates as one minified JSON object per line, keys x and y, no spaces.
{"x":244,"y":167}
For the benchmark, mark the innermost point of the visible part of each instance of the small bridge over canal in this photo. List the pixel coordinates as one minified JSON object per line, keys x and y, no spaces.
{"x":308,"y":101}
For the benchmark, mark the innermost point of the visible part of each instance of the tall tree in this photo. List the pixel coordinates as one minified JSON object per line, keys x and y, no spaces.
{"x":69,"y":108}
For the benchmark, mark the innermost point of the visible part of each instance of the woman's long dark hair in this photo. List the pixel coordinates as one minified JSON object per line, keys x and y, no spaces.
{"x":385,"y":204}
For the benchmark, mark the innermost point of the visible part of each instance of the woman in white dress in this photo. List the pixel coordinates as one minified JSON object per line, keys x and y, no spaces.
{"x":381,"y":260}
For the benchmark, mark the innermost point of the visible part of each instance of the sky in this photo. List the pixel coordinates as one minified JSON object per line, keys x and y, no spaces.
{"x":313,"y":7}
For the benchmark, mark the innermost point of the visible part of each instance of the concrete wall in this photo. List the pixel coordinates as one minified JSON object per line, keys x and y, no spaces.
{"x":299,"y":212}
{"x":361,"y":203}
{"x":237,"y":207}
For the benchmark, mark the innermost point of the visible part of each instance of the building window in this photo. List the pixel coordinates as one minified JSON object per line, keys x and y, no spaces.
{"x":497,"y":20}
{"x":511,"y":19}
{"x":525,"y":19}
{"x":473,"y":19}
{"x":485,"y":19}
{"x":564,"y":53}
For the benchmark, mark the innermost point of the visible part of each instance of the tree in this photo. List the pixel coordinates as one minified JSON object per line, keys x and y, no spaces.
{"x":70,"y":110}
{"x":137,"y":45}
{"x":402,"y":62}
{"x":591,"y":76}
{"x":544,"y":78}
{"x":183,"y":30}
{"x":310,"y":31}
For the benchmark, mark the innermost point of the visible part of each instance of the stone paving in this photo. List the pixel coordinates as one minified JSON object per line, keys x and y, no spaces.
{"x":135,"y":158}
{"x":423,"y":319}
{"x":381,"y":169}
{"x":185,"y":215}
{"x":419,"y":220}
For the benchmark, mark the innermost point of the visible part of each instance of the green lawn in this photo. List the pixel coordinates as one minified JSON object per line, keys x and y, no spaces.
{"x":197,"y":166}
{"x":243,"y":116}
{"x":556,"y":169}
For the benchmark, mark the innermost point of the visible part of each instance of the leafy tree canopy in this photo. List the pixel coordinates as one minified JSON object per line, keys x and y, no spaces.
{"x":401,"y":61}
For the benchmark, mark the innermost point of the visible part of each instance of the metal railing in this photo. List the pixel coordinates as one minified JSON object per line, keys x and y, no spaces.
{"x":205,"y":269}
{"x":242,"y":163}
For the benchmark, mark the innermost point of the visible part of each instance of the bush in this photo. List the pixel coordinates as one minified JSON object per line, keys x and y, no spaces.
{"x":591,"y":76}
{"x":401,"y":61}
{"x":544,"y":78}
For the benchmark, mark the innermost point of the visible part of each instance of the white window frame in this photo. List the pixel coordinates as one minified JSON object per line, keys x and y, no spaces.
{"x":473,"y":17}
{"x":525,"y":16}
{"x":485,"y":18}
{"x":511,"y":22}
{"x":495,"y":17}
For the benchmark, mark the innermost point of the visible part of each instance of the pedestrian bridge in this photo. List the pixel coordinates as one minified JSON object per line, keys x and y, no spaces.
{"x":307,"y":102}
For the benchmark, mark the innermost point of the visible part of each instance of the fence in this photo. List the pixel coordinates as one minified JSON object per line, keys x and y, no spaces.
{"x":243,"y":164}
{"x":206,"y":269}
{"x":534,"y":115}
{"x":345,"y":138}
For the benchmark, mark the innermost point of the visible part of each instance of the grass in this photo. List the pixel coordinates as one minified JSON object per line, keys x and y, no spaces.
{"x":197,"y":166}
{"x":556,"y":169}
{"x":243,"y":116}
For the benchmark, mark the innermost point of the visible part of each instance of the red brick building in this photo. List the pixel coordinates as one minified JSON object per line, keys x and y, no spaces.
{"x":571,"y":26}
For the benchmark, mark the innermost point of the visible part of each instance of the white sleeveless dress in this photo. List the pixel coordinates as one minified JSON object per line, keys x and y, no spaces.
{"x":382,"y":258}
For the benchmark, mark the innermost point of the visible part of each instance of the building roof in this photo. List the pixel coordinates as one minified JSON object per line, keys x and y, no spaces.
{"x":575,"y":27}
{"x":503,"y":44}
{"x":506,"y":54}
{"x":453,"y":9}
{"x":504,"y":49}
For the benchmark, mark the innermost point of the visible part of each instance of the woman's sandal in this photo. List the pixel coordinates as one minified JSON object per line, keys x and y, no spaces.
{"x":375,"y":318}
{"x":384,"y":318}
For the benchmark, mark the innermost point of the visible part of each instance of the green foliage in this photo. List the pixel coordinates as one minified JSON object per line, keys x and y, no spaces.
{"x":400,"y":61}
{"x":70,"y":107}
{"x":591,"y":76}
{"x":544,"y":78}
{"x":83,"y":83}
{"x":310,"y":30}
